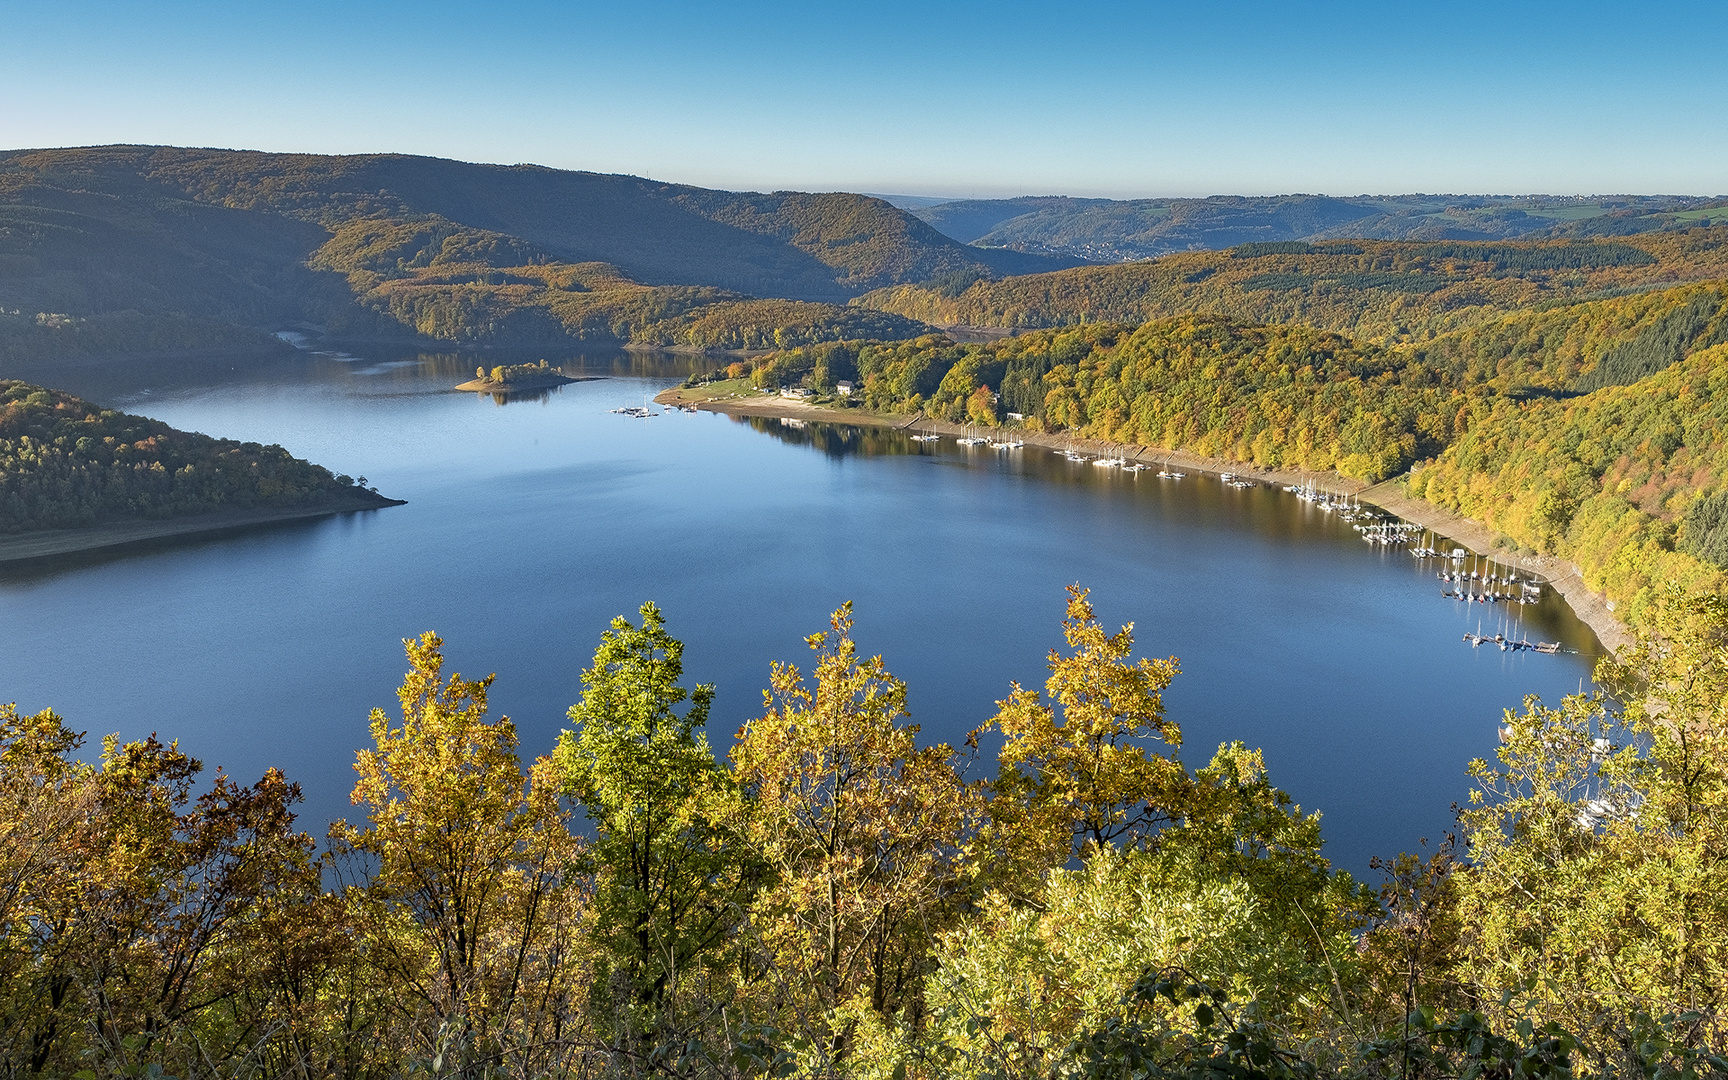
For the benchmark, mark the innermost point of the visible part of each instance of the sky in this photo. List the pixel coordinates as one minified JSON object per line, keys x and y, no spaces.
{"x":946,"y":99}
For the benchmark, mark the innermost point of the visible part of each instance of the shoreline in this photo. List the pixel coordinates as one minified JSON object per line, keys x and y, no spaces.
{"x":523,"y":386}
{"x":693,"y":350}
{"x":1563,"y":577}
{"x":48,"y":543}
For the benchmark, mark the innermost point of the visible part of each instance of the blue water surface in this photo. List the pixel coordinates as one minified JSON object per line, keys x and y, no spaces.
{"x":530,"y":524}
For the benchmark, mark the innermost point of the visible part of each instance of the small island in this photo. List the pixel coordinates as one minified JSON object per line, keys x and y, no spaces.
{"x":515,"y":378}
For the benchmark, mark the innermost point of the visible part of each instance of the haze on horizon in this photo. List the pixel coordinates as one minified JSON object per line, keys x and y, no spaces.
{"x":958,"y":99}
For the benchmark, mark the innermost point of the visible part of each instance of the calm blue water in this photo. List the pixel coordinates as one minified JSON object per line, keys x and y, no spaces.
{"x":529,"y":525}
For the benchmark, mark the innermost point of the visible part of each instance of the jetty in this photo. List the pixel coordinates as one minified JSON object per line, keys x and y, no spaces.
{"x":1507,"y":644}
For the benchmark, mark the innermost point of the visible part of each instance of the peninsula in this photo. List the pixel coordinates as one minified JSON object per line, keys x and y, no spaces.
{"x":76,"y":477}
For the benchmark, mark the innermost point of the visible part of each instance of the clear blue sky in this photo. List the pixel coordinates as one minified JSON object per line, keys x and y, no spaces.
{"x":1007,"y":97}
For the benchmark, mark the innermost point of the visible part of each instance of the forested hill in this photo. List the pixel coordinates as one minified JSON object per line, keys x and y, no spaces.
{"x":1115,"y":230}
{"x":163,"y":247}
{"x":1597,"y":431}
{"x":1375,"y":290}
{"x":65,"y":463}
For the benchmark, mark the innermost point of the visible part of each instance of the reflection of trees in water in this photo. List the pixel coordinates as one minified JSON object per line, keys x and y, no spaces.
{"x":460,"y":364}
{"x":835,"y":440}
{"x":513,"y":397}
{"x":1275,"y":517}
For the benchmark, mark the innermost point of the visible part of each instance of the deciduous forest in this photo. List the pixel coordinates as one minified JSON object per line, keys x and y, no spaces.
{"x":829,"y":895}
{"x":1592,"y":431}
{"x":65,"y":463}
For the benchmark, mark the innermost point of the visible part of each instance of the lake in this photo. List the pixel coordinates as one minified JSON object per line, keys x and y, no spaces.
{"x":530,"y":524}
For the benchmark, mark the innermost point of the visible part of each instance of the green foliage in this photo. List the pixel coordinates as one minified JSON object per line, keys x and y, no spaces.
{"x":1597,"y":839}
{"x":1664,"y":342}
{"x":1271,"y":247}
{"x":1375,"y":291}
{"x":1604,"y":480}
{"x":669,"y":891}
{"x":1275,"y":396}
{"x":1706,"y":529}
{"x":1553,"y":350}
{"x":507,"y":374}
{"x":1220,"y":1044}
{"x":65,"y":463}
{"x":840,"y":902}
{"x":1237,"y":893}
{"x":1571,"y":255}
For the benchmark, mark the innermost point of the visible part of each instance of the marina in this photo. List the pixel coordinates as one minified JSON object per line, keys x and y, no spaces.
{"x":1474,"y":579}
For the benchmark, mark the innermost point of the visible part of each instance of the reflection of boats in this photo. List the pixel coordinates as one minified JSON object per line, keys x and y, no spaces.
{"x":640,"y":412}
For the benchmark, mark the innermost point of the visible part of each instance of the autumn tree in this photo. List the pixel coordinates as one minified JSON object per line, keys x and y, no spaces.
{"x":1237,"y":894}
{"x":1076,"y":771}
{"x":1599,"y":838}
{"x":128,"y":906}
{"x":863,"y":831}
{"x":46,"y":799}
{"x":470,"y":901}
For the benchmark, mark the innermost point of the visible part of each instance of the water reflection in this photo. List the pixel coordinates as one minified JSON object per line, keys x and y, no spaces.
{"x":371,"y":368}
{"x":527,"y":529}
{"x":1263,"y":510}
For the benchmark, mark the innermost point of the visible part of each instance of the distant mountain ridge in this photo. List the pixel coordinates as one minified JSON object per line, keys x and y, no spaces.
{"x":1110,"y":230}
{"x":1377,"y":291}
{"x":194,"y":247}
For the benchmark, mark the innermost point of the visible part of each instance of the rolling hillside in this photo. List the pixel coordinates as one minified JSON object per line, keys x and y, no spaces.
{"x":1374,"y":290}
{"x":1110,"y":230}
{"x":1594,"y":431}
{"x":141,"y":248}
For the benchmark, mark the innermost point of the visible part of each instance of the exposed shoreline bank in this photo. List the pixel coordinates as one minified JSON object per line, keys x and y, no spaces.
{"x":692,"y":350}
{"x":1563,"y":577}
{"x":523,"y":386}
{"x":47,"y":543}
